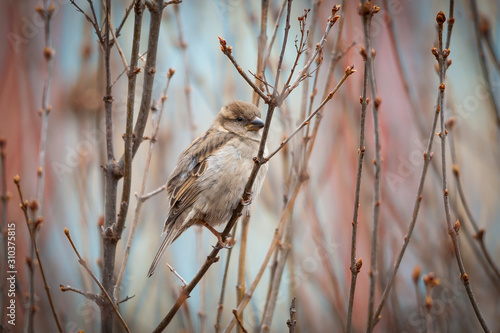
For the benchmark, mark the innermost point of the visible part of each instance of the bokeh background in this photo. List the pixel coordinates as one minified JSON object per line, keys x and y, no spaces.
{"x":73,"y":195}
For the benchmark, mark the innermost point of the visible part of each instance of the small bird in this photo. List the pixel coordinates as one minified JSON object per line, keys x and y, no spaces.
{"x":210,"y":176}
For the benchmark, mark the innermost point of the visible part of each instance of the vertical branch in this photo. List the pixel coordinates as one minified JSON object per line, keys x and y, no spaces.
{"x":48,"y":54}
{"x":240,"y":284}
{"x":427,"y":155}
{"x":260,"y":52}
{"x":367,"y":12}
{"x":223,"y":288}
{"x":452,"y":229}
{"x":157,"y":112}
{"x":110,"y":187}
{"x":127,"y":154}
{"x":355,"y":266}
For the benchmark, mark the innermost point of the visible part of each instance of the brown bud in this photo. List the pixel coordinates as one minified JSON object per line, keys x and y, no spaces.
{"x":377,"y":102}
{"x":448,"y":63}
{"x":39,"y":171}
{"x":3,"y":142}
{"x":170,"y":72}
{"x":434,"y":51}
{"x":456,"y":227}
{"x":359,"y":264}
{"x":33,"y":205}
{"x":17,"y":179}
{"x":335,"y":19}
{"x":480,"y":234}
{"x":373,"y":53}
{"x":456,"y":170}
{"x":365,"y":9}
{"x":441,"y":87}
{"x":66,"y":231}
{"x":100,"y":221}
{"x":363,"y":53}
{"x":416,"y":274}
{"x":440,"y":18}
{"x":428,"y":302}
{"x":48,"y":53}
{"x":335,"y":9}
{"x":375,"y":9}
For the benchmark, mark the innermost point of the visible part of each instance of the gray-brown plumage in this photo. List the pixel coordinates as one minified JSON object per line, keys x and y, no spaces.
{"x":209,"y":179}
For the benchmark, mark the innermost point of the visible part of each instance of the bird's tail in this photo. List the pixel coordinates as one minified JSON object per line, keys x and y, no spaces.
{"x":172,"y":234}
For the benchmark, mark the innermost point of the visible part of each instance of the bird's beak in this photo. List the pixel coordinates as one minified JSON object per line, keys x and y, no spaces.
{"x":255,"y":124}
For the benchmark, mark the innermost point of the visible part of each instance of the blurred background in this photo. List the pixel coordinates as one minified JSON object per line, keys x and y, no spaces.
{"x":317,"y":270}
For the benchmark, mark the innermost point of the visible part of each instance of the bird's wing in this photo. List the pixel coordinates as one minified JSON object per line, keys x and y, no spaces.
{"x":193,"y":162}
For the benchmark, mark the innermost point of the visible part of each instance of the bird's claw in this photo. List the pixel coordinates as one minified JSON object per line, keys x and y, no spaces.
{"x":228,"y":244}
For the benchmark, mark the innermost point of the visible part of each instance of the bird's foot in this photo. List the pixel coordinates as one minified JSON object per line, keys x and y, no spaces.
{"x":228,"y":244}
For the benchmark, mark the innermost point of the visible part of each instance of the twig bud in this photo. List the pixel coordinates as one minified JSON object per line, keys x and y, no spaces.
{"x":440,"y":18}
{"x":416,"y":274}
{"x":17,"y":179}
{"x":48,"y":53}
{"x":480,"y":234}
{"x":456,"y":227}
{"x":170,"y":72}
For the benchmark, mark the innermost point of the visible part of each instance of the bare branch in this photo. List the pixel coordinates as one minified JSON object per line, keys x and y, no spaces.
{"x":104,"y":292}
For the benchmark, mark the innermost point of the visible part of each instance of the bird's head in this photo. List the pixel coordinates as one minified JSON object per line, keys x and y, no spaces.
{"x":241,"y":118}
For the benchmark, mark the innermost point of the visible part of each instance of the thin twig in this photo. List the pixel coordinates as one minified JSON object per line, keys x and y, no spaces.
{"x":184,"y":283}
{"x":260,"y":49}
{"x":355,"y":265}
{"x":367,"y":11}
{"x":34,"y":206}
{"x":273,"y":36}
{"x":120,"y":52}
{"x":93,"y":21}
{"x":479,"y":232}
{"x":91,"y":296}
{"x":238,"y":320}
{"x":104,"y":292}
{"x":127,"y":12}
{"x":150,"y":194}
{"x":274,"y":243}
{"x":240,"y":283}
{"x":452,"y":229}
{"x":227,"y":50}
{"x":349,"y":70}
{"x":427,"y":155}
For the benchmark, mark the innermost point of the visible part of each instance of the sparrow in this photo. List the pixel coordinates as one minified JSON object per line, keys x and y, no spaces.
{"x":210,"y":176}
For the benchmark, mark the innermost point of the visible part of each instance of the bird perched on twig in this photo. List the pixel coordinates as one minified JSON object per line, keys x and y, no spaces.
{"x":210,"y":176}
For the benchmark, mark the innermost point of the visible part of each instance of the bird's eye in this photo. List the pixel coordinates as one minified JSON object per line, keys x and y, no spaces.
{"x":239,"y":119}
